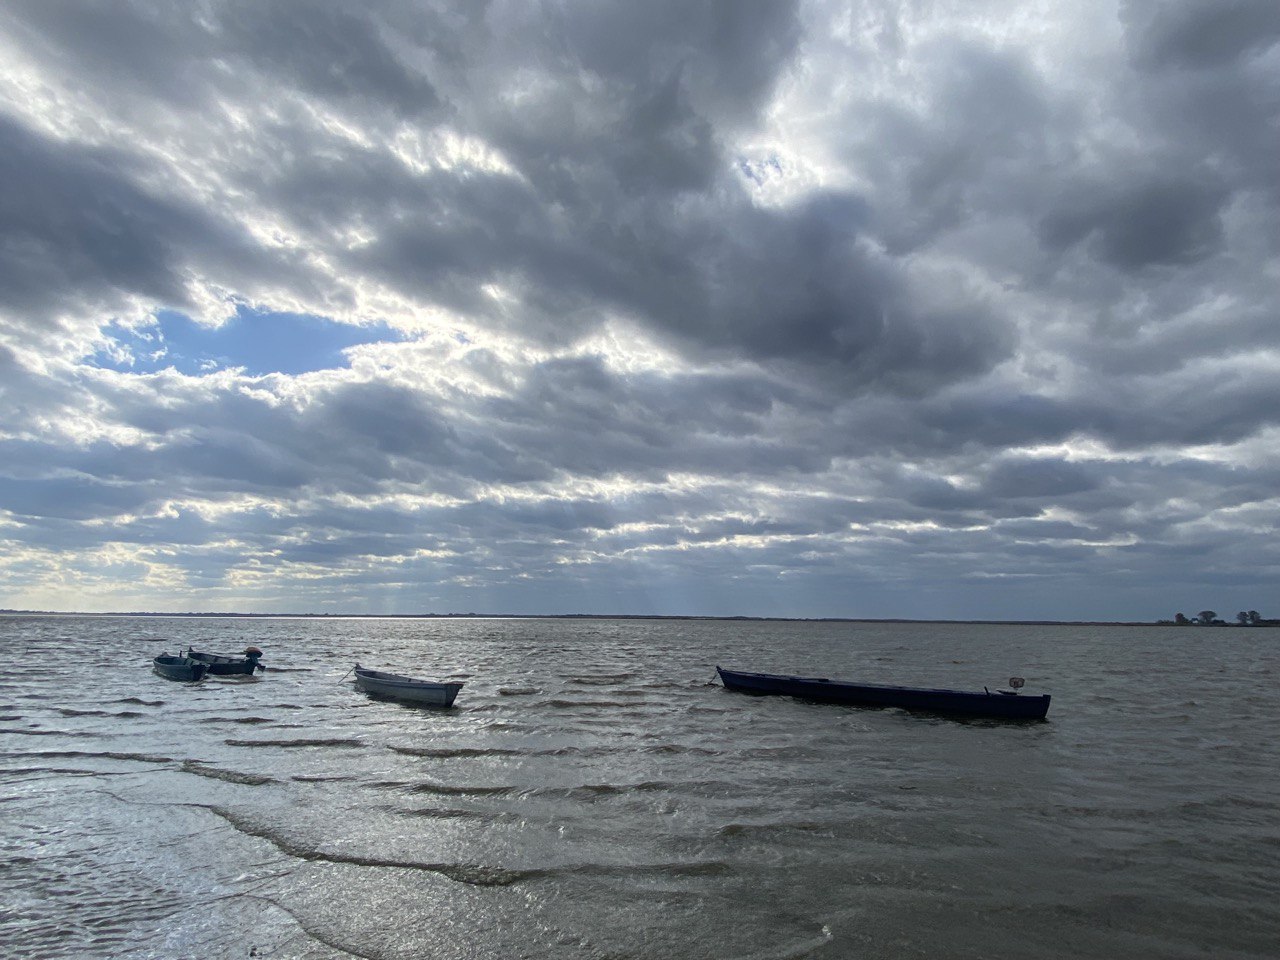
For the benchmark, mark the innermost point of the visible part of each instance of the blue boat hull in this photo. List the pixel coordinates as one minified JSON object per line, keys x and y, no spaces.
{"x":224,"y":666}
{"x":998,"y":706}
{"x":179,"y":668}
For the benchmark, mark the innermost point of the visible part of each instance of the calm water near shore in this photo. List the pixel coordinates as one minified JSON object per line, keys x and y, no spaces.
{"x":595,"y":794}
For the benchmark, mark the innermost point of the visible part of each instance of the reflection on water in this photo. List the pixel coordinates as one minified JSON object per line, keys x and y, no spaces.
{"x":594,"y":794}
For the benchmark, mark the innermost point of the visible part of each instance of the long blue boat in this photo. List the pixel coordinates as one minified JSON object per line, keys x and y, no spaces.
{"x":997,"y":705}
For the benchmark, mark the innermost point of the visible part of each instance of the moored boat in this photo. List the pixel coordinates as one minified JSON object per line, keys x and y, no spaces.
{"x":393,"y":685}
{"x":998,"y":705}
{"x":179,"y":668}
{"x":223,"y":665}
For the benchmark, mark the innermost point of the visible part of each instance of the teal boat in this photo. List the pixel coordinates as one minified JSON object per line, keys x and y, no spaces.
{"x":179,"y":668}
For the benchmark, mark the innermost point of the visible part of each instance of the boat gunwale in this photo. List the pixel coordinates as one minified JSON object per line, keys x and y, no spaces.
{"x":395,"y":679}
{"x":203,"y":657}
{"x":851,"y":685}
{"x":987,"y":704}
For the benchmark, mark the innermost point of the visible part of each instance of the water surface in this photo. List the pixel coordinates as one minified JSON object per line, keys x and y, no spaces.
{"x":595,"y":794}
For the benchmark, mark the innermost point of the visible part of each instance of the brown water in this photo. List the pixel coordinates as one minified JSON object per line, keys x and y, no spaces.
{"x":593,"y":794}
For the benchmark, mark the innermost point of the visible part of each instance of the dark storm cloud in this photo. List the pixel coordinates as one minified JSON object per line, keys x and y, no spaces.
{"x":78,"y":228}
{"x":798,"y":287}
{"x":1200,"y":34}
{"x":1039,"y":479}
{"x":964,"y":153}
{"x":730,"y":52}
{"x":1196,"y":404}
{"x":73,"y":224}
{"x":634,"y":95}
{"x":361,"y":437}
{"x":1160,"y":221}
{"x":649,"y":425}
{"x":793,"y":287}
{"x":138,"y":49}
{"x":327,"y":49}
{"x":78,"y":498}
{"x":155,"y":51}
{"x":773,"y":304}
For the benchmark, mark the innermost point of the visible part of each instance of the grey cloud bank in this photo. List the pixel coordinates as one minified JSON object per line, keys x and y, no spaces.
{"x":942,"y":311}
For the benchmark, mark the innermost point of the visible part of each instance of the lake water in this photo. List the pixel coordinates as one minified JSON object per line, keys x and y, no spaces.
{"x":594,"y":794}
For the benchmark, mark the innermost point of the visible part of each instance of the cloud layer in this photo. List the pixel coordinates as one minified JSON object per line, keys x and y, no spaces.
{"x":933,"y":310}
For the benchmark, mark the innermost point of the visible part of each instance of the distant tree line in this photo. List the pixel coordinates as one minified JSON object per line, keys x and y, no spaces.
{"x":1209,"y":618}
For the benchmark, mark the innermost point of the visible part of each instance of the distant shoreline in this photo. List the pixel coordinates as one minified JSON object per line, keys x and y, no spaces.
{"x":606,"y":616}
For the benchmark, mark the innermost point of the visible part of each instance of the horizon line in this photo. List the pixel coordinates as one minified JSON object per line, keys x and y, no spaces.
{"x":584,"y":616}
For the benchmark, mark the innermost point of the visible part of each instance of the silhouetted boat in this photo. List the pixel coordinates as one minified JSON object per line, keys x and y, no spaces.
{"x":406,"y":688}
{"x":222,"y":665}
{"x":179,"y":668}
{"x":1000,"y":705}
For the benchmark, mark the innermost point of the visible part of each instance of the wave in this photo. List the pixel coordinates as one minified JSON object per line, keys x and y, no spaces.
{"x":1229,"y":800}
{"x":591,"y":792}
{"x":697,"y":710}
{"x":518,"y":691}
{"x":473,"y":874}
{"x":442,"y":813}
{"x":441,"y":789}
{"x":305,"y":742}
{"x":141,"y":702}
{"x":121,"y":714}
{"x":1120,"y":814}
{"x":321,"y":778}
{"x":602,"y":679}
{"x":504,"y":725}
{"x":680,"y":748}
{"x":25,"y":773}
{"x":766,"y":829}
{"x":102,"y":755}
{"x":75,"y":734}
{"x":457,"y":752}
{"x":230,"y":776}
{"x":245,"y":720}
{"x":575,"y":751}
{"x":562,"y":704}
{"x":684,"y":868}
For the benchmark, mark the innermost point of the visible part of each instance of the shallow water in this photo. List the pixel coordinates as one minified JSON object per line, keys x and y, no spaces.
{"x":594,"y":794}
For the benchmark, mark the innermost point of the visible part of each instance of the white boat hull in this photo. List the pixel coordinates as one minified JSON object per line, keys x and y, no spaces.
{"x":406,"y":688}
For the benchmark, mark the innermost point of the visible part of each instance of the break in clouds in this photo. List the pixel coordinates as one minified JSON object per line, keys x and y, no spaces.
{"x":811,"y":309}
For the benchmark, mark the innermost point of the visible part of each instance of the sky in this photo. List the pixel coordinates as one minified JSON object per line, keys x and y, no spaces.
{"x":936,"y":310}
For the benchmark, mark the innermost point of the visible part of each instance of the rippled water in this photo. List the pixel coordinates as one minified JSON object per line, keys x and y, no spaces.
{"x":593,"y":794}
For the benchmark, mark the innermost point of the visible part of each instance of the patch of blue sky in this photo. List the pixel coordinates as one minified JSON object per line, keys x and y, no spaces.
{"x":259,"y":342}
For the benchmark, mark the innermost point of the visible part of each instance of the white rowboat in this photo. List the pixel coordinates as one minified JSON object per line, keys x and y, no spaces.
{"x":405,"y":688}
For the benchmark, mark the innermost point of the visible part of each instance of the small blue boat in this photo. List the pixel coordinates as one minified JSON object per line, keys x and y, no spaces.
{"x":1000,"y":705}
{"x":179,"y":668}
